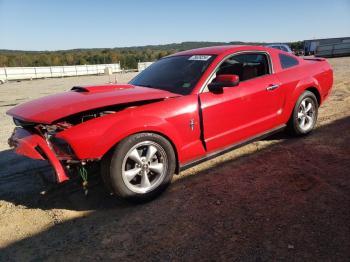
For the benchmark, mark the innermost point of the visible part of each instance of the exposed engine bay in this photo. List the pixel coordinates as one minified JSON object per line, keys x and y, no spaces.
{"x":76,"y":119}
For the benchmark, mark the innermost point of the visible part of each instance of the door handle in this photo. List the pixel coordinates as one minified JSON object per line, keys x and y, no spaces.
{"x":272,"y":87}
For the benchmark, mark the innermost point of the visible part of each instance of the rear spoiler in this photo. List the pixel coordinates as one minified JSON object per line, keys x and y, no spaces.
{"x":314,"y":58}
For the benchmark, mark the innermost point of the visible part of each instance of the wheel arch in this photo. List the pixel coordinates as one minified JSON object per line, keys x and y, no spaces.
{"x":177,"y":168}
{"x":316,"y":92}
{"x":308,"y":83}
{"x":294,"y":127}
{"x":298,"y":92}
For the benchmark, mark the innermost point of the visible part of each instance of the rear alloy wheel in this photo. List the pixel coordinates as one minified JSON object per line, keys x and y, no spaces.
{"x":141,"y":167}
{"x":304,"y":116}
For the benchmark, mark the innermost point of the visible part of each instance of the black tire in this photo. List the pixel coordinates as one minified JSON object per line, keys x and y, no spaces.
{"x":115,"y":161}
{"x":295,"y":126}
{"x":105,"y":174}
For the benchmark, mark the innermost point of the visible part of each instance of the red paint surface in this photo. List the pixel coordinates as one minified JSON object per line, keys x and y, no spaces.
{"x":51,"y":108}
{"x":25,"y":143}
{"x":229,"y":117}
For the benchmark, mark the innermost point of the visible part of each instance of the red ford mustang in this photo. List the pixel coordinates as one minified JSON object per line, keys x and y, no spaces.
{"x":183,"y":109}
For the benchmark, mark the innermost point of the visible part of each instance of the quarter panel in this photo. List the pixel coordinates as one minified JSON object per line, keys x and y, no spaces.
{"x":297,"y":80}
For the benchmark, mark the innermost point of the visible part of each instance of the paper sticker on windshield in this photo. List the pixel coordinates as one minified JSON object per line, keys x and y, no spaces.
{"x":200,"y":57}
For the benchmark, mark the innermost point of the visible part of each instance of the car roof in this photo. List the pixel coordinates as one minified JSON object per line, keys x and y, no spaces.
{"x":278,"y":45}
{"x":217,"y":50}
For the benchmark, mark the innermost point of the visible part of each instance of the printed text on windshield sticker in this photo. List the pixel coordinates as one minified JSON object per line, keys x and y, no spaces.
{"x":200,"y":57}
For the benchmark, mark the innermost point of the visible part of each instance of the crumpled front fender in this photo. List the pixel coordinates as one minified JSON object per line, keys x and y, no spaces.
{"x":91,"y":140}
{"x":170,"y":118}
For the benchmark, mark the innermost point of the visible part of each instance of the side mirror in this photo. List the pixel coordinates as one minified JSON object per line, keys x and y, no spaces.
{"x":221,"y":81}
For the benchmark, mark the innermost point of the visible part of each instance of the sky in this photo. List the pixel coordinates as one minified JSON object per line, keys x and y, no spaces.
{"x":68,"y":24}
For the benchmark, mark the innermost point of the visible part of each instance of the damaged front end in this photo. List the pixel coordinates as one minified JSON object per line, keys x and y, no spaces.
{"x":39,"y":141}
{"x":55,"y":127}
{"x":32,"y":145}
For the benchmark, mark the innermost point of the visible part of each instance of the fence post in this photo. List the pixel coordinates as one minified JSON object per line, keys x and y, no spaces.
{"x":35,"y":72}
{"x":87,"y":69}
{"x":5,"y":73}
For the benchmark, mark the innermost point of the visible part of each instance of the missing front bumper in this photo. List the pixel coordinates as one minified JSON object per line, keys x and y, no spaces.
{"x":34,"y":146}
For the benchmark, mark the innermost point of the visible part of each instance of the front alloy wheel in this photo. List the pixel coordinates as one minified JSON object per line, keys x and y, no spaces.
{"x":144,"y":167}
{"x":140,"y":167}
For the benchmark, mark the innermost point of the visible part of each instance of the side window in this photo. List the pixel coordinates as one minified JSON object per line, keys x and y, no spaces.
{"x":283,"y":48}
{"x":287,"y":61}
{"x":246,"y":66}
{"x":276,"y":47}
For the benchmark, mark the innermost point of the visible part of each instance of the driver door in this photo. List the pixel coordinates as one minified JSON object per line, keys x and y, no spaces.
{"x":243,"y":111}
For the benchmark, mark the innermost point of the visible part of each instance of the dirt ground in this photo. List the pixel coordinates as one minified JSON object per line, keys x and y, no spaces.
{"x":281,"y":198}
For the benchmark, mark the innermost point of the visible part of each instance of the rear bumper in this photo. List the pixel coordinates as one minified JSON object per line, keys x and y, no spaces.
{"x":34,"y":146}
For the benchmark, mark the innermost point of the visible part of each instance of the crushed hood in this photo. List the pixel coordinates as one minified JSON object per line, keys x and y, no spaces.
{"x":51,"y":108}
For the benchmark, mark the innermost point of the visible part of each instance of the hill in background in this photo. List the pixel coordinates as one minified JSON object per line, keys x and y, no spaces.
{"x":127,"y":56}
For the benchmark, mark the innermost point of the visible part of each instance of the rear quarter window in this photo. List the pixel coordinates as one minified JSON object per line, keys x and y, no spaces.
{"x":287,"y":61}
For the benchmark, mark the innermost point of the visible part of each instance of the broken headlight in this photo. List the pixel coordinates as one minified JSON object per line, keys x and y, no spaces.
{"x":61,"y":147}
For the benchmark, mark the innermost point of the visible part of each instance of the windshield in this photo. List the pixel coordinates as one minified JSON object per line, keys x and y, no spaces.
{"x":176,"y":74}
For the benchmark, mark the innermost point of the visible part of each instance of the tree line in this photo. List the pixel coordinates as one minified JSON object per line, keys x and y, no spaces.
{"x":128,"y":57}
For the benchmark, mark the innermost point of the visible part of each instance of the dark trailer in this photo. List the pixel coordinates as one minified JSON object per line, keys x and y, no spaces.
{"x":328,"y":47}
